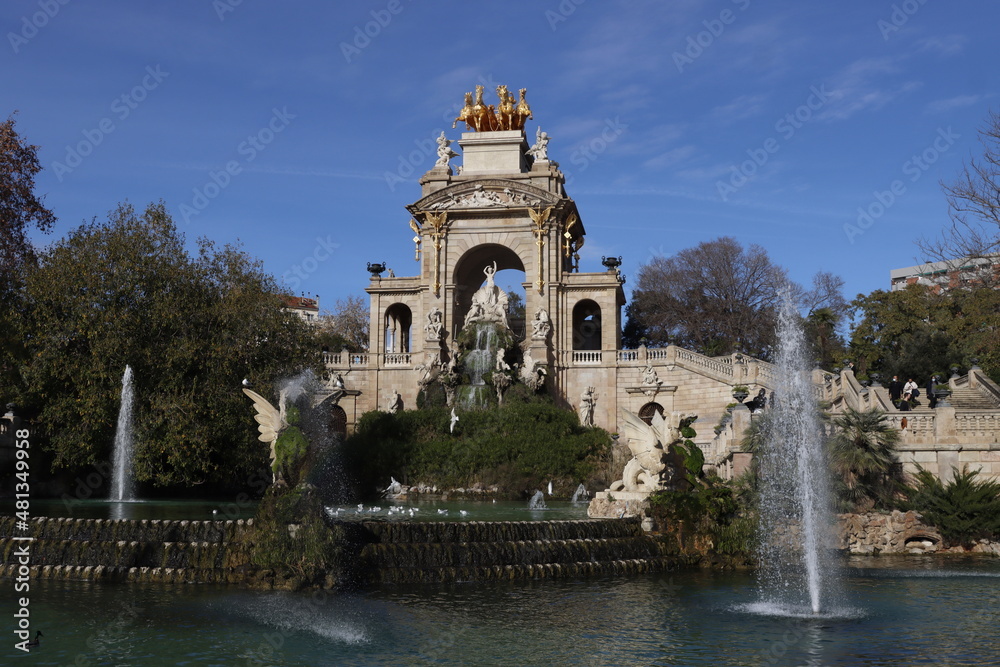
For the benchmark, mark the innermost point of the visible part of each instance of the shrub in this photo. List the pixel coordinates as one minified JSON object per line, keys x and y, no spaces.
{"x":313,"y":553}
{"x":520,"y":443}
{"x":964,"y":510}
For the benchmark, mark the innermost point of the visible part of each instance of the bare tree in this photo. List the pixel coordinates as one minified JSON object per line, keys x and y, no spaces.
{"x":717,"y":298}
{"x":346,"y":325}
{"x":973,"y":238}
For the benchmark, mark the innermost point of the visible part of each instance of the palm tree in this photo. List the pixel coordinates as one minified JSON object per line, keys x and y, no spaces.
{"x":863,"y":456}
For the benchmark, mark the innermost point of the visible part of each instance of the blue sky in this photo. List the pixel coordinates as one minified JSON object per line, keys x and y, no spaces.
{"x":300,"y":128}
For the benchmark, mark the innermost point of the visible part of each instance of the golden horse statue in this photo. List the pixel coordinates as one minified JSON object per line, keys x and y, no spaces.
{"x":466,"y":114}
{"x":523,"y":111}
{"x":505,"y":112}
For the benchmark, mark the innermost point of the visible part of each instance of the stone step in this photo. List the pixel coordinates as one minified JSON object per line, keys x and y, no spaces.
{"x":129,"y":530}
{"x":127,"y":554}
{"x":508,"y":572}
{"x":398,"y":532}
{"x":488,"y":554}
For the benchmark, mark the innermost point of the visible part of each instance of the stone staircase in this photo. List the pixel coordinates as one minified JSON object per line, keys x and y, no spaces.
{"x":970,"y":398}
{"x":434,"y":552}
{"x":129,"y":550}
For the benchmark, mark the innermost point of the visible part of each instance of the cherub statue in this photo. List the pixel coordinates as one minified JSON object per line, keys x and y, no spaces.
{"x":540,"y":150}
{"x":444,"y":151}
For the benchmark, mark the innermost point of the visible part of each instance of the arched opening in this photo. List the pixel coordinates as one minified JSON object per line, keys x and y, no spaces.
{"x":647,"y":411}
{"x":586,"y":325}
{"x":510,"y":277}
{"x":398,"y":321}
{"x":338,"y":421}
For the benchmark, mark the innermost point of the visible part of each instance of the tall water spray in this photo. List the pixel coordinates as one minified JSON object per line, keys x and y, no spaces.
{"x":122,"y":483}
{"x":796,"y":570}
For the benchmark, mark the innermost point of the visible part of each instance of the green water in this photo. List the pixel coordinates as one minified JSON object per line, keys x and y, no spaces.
{"x":897,"y":611}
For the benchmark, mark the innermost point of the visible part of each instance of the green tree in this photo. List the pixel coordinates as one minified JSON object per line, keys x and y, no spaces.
{"x":920,"y":331}
{"x":863,"y":457}
{"x":126,"y":292}
{"x":20,"y":211}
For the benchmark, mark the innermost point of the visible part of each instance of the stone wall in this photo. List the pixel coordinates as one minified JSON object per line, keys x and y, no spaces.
{"x":897,"y":533}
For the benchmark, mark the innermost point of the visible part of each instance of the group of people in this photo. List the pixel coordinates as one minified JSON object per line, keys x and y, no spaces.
{"x":904,"y":395}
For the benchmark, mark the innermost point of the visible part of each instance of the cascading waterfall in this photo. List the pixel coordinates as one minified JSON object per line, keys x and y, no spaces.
{"x":478,"y":362}
{"x":795,"y":569}
{"x":122,"y":483}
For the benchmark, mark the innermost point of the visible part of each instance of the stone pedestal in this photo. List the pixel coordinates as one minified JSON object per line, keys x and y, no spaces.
{"x":621,"y":505}
{"x":499,"y":152}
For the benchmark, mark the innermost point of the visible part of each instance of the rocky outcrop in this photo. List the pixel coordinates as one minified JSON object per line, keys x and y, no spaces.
{"x":894,"y":533}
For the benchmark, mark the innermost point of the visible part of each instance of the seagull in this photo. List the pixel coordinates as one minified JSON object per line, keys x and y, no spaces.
{"x":442,"y":511}
{"x":247,"y":383}
{"x":454,"y":420}
{"x":463,"y":512}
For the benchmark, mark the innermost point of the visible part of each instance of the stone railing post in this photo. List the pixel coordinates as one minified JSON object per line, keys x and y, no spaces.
{"x":944,"y":424}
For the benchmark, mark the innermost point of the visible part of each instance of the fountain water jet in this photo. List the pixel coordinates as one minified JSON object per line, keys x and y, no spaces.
{"x":122,"y":483}
{"x":795,"y":569}
{"x":537,"y":502}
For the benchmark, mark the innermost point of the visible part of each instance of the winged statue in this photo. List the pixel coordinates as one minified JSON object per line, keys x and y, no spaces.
{"x":271,"y":421}
{"x":652,"y":467}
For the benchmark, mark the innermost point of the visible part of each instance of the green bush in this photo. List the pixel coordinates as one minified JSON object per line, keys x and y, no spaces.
{"x":709,"y":510}
{"x":520,"y":444}
{"x":964,"y":510}
{"x":314,"y":553}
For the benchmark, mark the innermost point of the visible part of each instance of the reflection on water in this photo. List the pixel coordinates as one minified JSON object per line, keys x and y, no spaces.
{"x":905,"y":615}
{"x":192,"y":510}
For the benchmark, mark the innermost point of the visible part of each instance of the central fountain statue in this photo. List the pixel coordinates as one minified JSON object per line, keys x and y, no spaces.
{"x":489,"y":303}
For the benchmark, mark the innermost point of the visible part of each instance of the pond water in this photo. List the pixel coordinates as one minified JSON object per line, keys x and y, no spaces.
{"x":429,"y":509}
{"x":912,"y":611}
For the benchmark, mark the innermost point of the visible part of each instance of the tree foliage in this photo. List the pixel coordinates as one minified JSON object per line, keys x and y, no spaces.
{"x":720,"y":297}
{"x":917,"y":332}
{"x":974,"y":208}
{"x":345,"y":326}
{"x":20,"y":210}
{"x":863,"y":457}
{"x":126,"y":292}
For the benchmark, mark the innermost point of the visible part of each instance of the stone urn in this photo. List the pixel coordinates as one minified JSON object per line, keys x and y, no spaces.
{"x":740,"y":393}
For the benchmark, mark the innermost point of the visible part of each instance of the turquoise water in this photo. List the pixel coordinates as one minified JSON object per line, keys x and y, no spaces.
{"x":192,"y":510}
{"x":897,"y":611}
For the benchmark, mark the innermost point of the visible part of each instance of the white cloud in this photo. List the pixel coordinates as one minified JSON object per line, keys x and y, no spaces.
{"x":941,"y":106}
